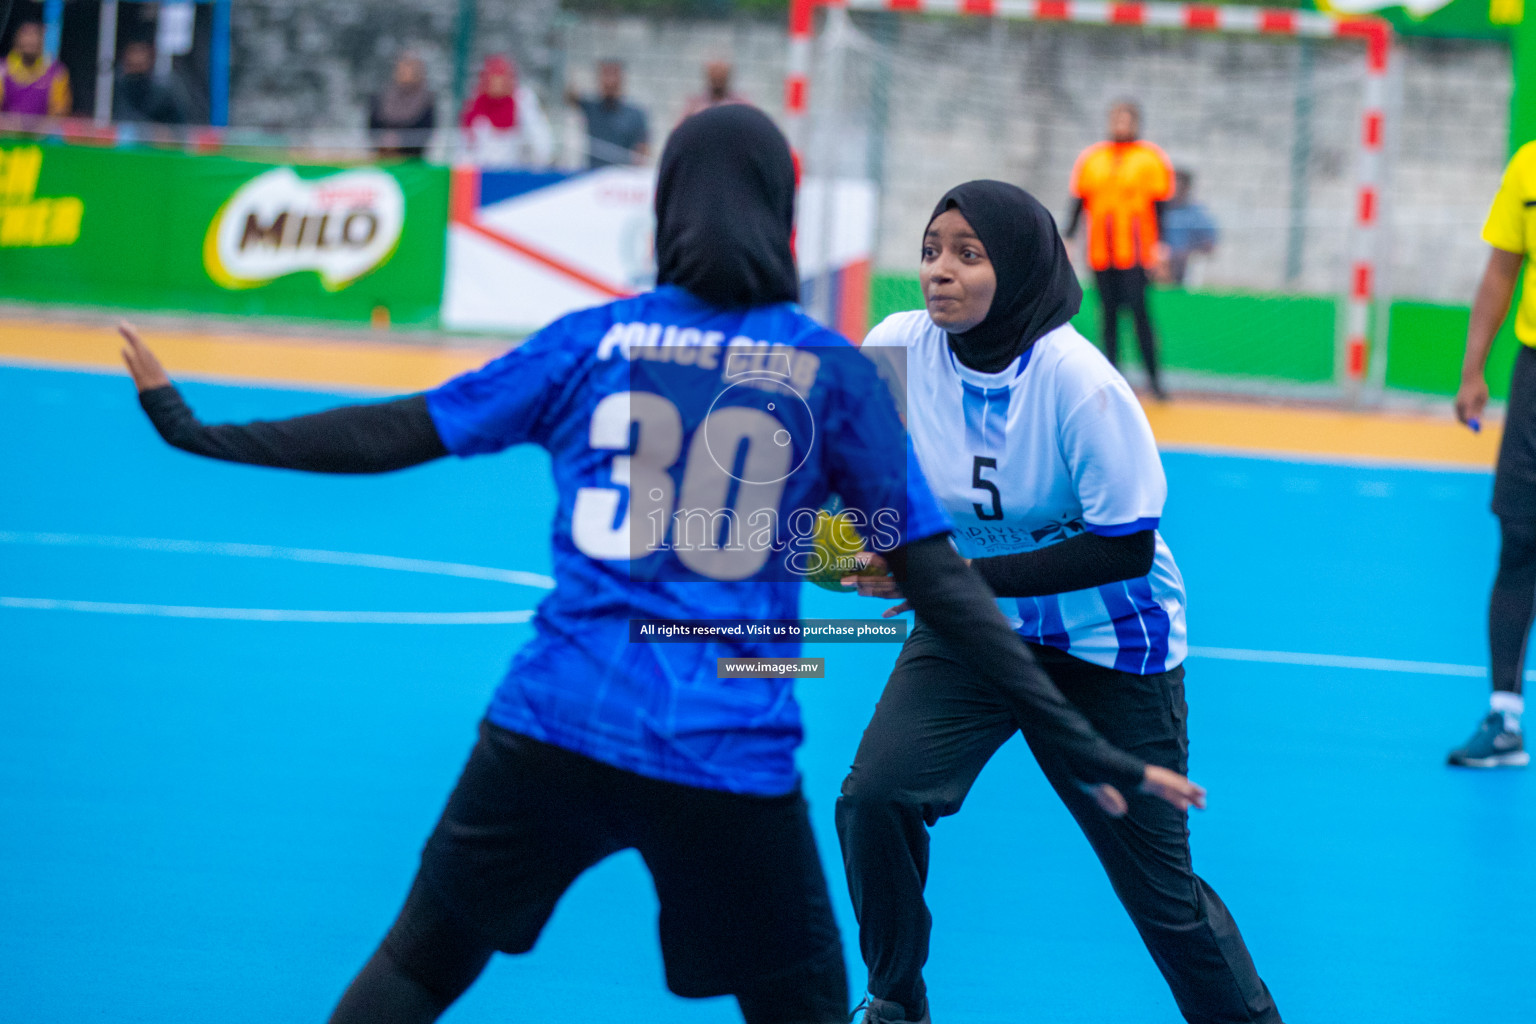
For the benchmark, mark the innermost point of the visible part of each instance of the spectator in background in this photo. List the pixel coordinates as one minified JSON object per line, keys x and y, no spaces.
{"x":32,"y":83}
{"x":504,"y":126}
{"x":1188,"y":228}
{"x":1121,"y":184}
{"x":138,"y":96}
{"x":717,"y":88}
{"x":617,"y":132}
{"x":402,"y":116}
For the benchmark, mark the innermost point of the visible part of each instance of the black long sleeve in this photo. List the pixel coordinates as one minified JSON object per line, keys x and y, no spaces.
{"x":1074,"y":218}
{"x":950,"y":598}
{"x":1077,"y":563}
{"x":374,"y":438}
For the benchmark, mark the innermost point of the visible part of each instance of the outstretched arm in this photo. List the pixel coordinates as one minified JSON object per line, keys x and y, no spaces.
{"x":950,"y":597}
{"x":1489,"y":308}
{"x":374,"y":438}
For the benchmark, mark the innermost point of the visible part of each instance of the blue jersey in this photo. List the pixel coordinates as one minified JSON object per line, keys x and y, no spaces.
{"x":691,"y":447}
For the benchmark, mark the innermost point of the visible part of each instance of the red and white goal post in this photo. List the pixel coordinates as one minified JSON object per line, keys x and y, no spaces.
{"x":1352,"y":344}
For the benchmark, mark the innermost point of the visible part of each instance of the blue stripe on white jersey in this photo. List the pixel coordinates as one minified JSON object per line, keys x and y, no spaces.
{"x":986,"y":409}
{"x":1141,"y":626}
{"x":1040,"y":621}
{"x":986,"y":416}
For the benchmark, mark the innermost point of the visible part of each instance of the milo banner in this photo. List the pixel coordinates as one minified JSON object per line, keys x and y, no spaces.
{"x":211,"y":234}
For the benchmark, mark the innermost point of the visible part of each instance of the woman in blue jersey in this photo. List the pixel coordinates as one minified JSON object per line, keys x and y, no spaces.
{"x":1044,"y":460}
{"x":591,"y":744}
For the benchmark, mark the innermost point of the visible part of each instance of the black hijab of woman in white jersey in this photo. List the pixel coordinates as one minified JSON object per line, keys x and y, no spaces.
{"x":725,"y":209}
{"x":1037,"y":290}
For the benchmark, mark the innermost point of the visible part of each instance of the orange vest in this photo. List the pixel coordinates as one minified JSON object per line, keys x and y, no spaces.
{"x":1118,"y":182}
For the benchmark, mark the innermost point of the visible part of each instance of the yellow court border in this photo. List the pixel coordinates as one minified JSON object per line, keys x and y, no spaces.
{"x":295,"y":360}
{"x":1323,"y":434}
{"x":376,"y":366}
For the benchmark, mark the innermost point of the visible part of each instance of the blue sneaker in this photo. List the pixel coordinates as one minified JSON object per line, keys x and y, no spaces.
{"x":1492,"y":746}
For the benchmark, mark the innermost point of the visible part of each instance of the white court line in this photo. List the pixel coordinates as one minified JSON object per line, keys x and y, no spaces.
{"x":311,"y":555}
{"x":1431,"y":668}
{"x":1423,"y":668}
{"x":518,"y":577}
{"x":177,"y":611}
{"x":173,"y":611}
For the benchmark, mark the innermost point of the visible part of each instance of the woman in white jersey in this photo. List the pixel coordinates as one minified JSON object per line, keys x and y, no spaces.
{"x":1046,"y":463}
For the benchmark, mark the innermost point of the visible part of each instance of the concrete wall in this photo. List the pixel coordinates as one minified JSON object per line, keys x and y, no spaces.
{"x":301,"y":65}
{"x":1270,"y":128}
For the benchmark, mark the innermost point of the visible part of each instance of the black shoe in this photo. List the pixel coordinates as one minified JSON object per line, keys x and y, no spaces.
{"x":1492,"y":746}
{"x":883,"y":1011}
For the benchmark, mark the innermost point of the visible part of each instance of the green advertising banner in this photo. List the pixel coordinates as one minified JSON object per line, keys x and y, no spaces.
{"x":1461,"y":19}
{"x":212,"y":234}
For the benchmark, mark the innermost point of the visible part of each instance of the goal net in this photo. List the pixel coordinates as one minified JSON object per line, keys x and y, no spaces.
{"x":1274,"y":119}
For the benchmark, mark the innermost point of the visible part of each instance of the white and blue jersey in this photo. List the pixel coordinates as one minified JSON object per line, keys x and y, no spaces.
{"x":1053,"y":445}
{"x":690,"y":447}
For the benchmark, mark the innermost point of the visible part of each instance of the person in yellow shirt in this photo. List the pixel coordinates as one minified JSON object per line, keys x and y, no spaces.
{"x":1122,"y":184}
{"x":31,"y":82}
{"x":1510,"y":230}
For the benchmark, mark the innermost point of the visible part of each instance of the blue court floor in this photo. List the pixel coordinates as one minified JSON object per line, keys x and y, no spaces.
{"x":214,"y":820}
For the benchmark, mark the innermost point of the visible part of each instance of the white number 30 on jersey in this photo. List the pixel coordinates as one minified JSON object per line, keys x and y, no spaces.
{"x":648,"y":522}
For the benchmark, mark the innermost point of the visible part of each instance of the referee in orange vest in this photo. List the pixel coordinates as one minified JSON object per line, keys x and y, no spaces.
{"x":1122,"y":184}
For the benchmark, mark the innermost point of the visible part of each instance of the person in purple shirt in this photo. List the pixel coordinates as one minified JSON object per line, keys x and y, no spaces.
{"x":30,"y":81}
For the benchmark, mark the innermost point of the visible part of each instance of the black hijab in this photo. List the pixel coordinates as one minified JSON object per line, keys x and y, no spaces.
{"x":1037,"y":291}
{"x":725,"y":208}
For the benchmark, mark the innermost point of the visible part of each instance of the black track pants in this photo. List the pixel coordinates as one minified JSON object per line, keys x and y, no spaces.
{"x":1127,"y":289}
{"x":1512,"y":604}
{"x":936,"y":726}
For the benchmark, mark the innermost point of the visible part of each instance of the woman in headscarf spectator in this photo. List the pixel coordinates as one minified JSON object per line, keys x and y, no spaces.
{"x":402,"y":116}
{"x":503,"y":123}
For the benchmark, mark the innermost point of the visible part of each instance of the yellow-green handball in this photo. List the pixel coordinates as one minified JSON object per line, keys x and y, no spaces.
{"x":838,"y":546}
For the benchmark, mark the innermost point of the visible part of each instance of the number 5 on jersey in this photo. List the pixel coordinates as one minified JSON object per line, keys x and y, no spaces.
{"x":995,"y":511}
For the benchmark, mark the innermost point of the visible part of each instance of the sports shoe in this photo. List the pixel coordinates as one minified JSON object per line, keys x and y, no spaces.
{"x":883,"y":1011}
{"x":1492,"y":746}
